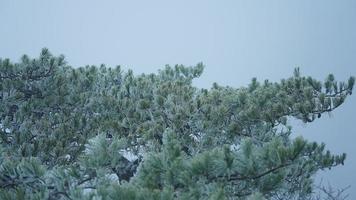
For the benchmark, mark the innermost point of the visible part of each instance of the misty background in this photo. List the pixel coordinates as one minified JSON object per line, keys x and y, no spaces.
{"x":236,"y":40}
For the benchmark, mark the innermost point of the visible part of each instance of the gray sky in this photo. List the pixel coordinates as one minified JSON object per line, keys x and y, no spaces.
{"x":236,"y":40}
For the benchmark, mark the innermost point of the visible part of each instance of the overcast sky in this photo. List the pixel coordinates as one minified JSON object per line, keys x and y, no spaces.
{"x":236,"y":40}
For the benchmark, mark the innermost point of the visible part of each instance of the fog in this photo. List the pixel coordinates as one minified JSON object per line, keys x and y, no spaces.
{"x":236,"y":40}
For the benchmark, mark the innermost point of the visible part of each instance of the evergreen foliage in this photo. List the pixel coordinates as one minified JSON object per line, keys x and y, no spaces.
{"x":103,"y":133}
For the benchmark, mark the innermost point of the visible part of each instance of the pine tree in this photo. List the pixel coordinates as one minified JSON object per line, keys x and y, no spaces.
{"x":103,"y":133}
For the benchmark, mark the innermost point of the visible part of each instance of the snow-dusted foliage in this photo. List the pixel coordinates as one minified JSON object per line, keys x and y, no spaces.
{"x":103,"y":133}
